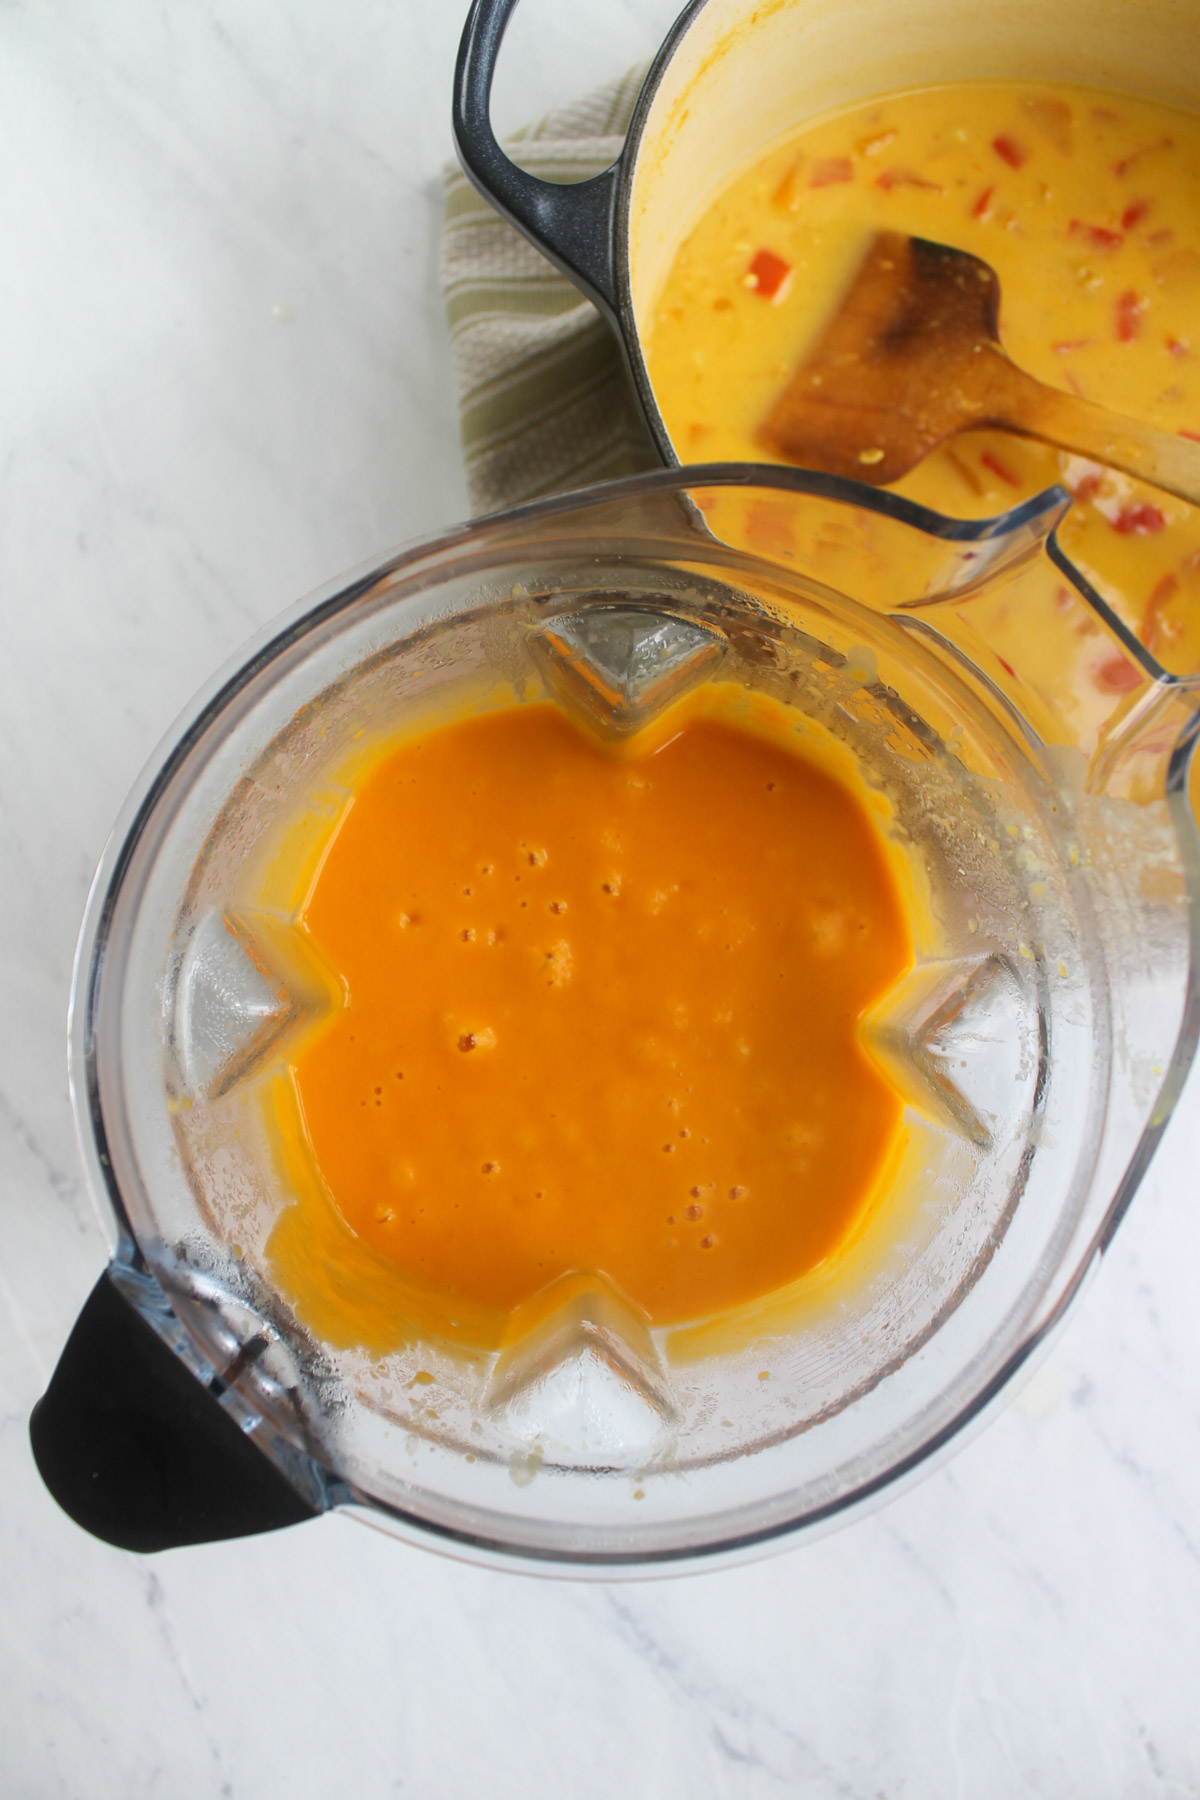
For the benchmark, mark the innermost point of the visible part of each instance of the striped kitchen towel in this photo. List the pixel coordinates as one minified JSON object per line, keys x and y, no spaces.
{"x":545,"y":402}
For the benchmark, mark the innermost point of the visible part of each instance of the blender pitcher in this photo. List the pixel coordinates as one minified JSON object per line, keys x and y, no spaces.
{"x":1034,"y":758}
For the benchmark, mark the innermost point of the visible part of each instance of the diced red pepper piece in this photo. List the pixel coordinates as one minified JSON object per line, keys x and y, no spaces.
{"x":771,"y":274}
{"x":983,"y":205}
{"x":1117,"y":675}
{"x":1130,"y":307}
{"x":1194,"y":435}
{"x":1008,"y":149}
{"x":894,"y":178}
{"x":1007,"y":666}
{"x":998,"y":469}
{"x":1134,"y":213}
{"x":829,"y":169}
{"x":1177,"y":346}
{"x":1099,"y":235}
{"x":1139,"y":517}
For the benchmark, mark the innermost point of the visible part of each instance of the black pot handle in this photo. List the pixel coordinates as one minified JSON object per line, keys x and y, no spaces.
{"x":138,"y":1452}
{"x":573,"y":224}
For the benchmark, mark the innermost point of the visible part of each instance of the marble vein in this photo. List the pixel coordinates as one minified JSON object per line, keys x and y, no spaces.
{"x":742,"y":1731}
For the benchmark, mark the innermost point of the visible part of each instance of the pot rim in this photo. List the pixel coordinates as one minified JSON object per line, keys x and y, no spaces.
{"x":631,"y":337}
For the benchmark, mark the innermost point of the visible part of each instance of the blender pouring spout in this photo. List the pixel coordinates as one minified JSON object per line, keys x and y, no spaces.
{"x":139,"y":1453}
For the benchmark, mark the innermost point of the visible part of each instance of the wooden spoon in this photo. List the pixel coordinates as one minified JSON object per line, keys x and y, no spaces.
{"x":913,"y":355}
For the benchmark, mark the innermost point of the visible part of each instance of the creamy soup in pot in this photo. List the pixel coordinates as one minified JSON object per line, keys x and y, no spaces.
{"x":1088,"y":207}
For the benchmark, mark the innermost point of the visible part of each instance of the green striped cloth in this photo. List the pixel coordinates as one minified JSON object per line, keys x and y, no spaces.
{"x":545,"y":402}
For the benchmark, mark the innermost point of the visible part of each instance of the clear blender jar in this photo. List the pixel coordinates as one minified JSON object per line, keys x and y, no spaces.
{"x":1035,"y":759}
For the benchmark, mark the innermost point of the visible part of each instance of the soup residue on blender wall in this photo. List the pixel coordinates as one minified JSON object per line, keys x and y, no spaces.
{"x":602,"y":1015}
{"x":1086,"y":204}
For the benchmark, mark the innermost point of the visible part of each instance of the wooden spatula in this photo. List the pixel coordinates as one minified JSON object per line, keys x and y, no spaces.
{"x":913,"y":355}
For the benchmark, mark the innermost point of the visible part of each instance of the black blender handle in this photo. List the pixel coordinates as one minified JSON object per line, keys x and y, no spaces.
{"x":572,"y":223}
{"x":138,"y":1452}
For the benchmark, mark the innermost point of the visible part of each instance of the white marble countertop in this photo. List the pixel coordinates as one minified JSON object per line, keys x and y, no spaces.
{"x":225,"y":378}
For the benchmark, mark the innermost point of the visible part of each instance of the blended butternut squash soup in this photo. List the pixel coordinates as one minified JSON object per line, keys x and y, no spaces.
{"x":601,"y":1014}
{"x":1088,"y":207}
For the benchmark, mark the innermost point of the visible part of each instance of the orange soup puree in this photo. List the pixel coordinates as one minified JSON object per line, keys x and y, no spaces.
{"x":602,"y":1012}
